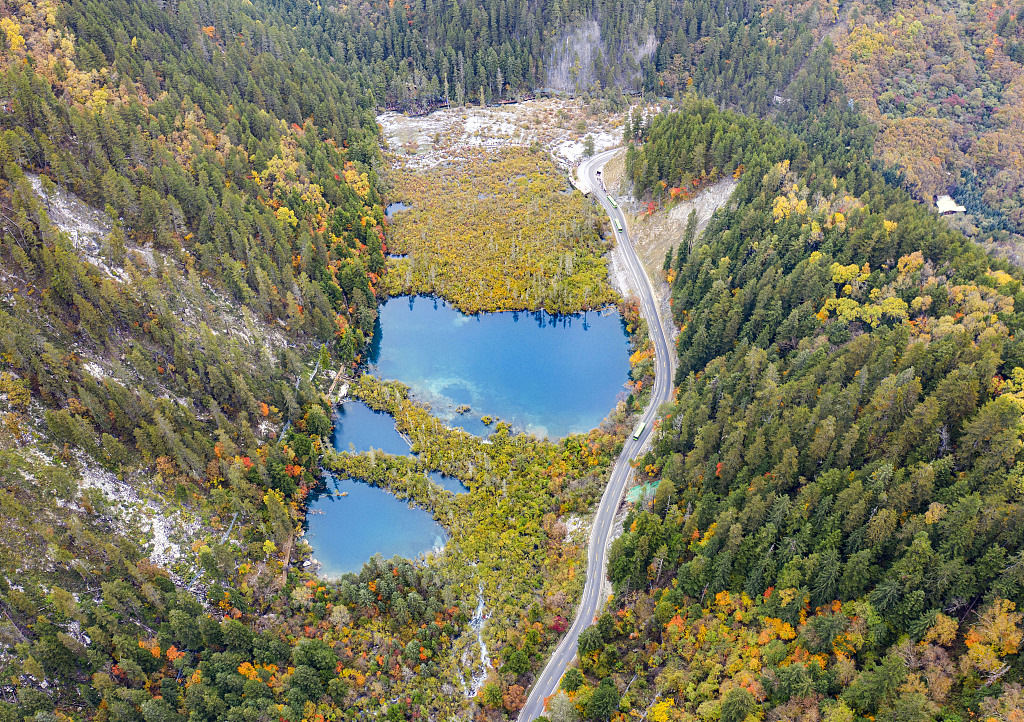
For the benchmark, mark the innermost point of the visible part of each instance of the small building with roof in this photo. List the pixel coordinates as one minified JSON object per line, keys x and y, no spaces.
{"x":947,"y":206}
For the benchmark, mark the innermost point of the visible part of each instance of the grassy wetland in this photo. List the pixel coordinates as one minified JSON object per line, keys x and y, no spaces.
{"x":497,"y":231}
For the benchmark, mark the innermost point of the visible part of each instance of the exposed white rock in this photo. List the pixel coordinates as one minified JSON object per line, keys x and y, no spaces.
{"x":168,"y":529}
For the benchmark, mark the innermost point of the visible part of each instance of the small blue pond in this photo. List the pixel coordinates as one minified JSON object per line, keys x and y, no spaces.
{"x":358,"y":428}
{"x":394,"y":208}
{"x":450,"y":483}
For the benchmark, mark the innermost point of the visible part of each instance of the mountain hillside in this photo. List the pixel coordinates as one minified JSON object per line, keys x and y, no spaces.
{"x":186,"y":235}
{"x":193,"y":245}
{"x":945,"y":86}
{"x":835,"y":523}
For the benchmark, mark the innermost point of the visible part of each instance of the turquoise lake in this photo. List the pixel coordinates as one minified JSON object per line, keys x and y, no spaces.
{"x":358,"y":428}
{"x":345,"y":531}
{"x":546,"y":375}
{"x":543,"y":374}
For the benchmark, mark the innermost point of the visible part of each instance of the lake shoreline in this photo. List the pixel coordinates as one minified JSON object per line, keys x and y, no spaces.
{"x":508,"y":365}
{"x":381,"y":442}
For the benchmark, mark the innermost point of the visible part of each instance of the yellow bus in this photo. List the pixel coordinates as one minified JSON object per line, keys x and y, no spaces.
{"x":618,"y":226}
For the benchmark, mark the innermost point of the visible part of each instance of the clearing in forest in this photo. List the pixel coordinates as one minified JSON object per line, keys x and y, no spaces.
{"x":497,"y":230}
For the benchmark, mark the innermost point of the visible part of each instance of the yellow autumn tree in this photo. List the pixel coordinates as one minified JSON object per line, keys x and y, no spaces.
{"x":996,"y":635}
{"x":12,"y":30}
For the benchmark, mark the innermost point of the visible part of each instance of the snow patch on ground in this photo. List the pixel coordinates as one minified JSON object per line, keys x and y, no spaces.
{"x":559,"y":125}
{"x":577,"y":530}
{"x":75,"y":630}
{"x":572,"y":150}
{"x":85,"y":226}
{"x":493,"y":125}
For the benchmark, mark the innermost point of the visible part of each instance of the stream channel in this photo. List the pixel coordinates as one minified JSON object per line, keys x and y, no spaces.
{"x":543,"y":374}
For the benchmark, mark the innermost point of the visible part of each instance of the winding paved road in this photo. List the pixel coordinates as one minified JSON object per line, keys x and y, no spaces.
{"x":593,"y":599}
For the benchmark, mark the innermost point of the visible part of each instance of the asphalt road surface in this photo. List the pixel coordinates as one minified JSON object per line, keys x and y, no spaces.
{"x":593,"y":598}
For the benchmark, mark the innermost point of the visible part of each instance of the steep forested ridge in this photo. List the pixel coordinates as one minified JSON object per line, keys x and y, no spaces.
{"x":243,"y":229}
{"x":838,"y":526}
{"x":239,"y":239}
{"x":423,"y":53}
{"x":206,"y":186}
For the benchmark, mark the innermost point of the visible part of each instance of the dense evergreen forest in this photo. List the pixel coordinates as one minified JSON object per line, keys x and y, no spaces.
{"x":241,"y":247}
{"x":838,"y":526}
{"x":422,"y":54}
{"x":210,"y":190}
{"x":836,"y":532}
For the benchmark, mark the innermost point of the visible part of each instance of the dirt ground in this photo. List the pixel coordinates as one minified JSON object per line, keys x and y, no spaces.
{"x":654,"y":234}
{"x":558,"y":125}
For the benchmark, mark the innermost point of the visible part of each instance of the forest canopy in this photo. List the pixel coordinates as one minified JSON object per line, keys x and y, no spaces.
{"x":843,"y":457}
{"x":835,"y":518}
